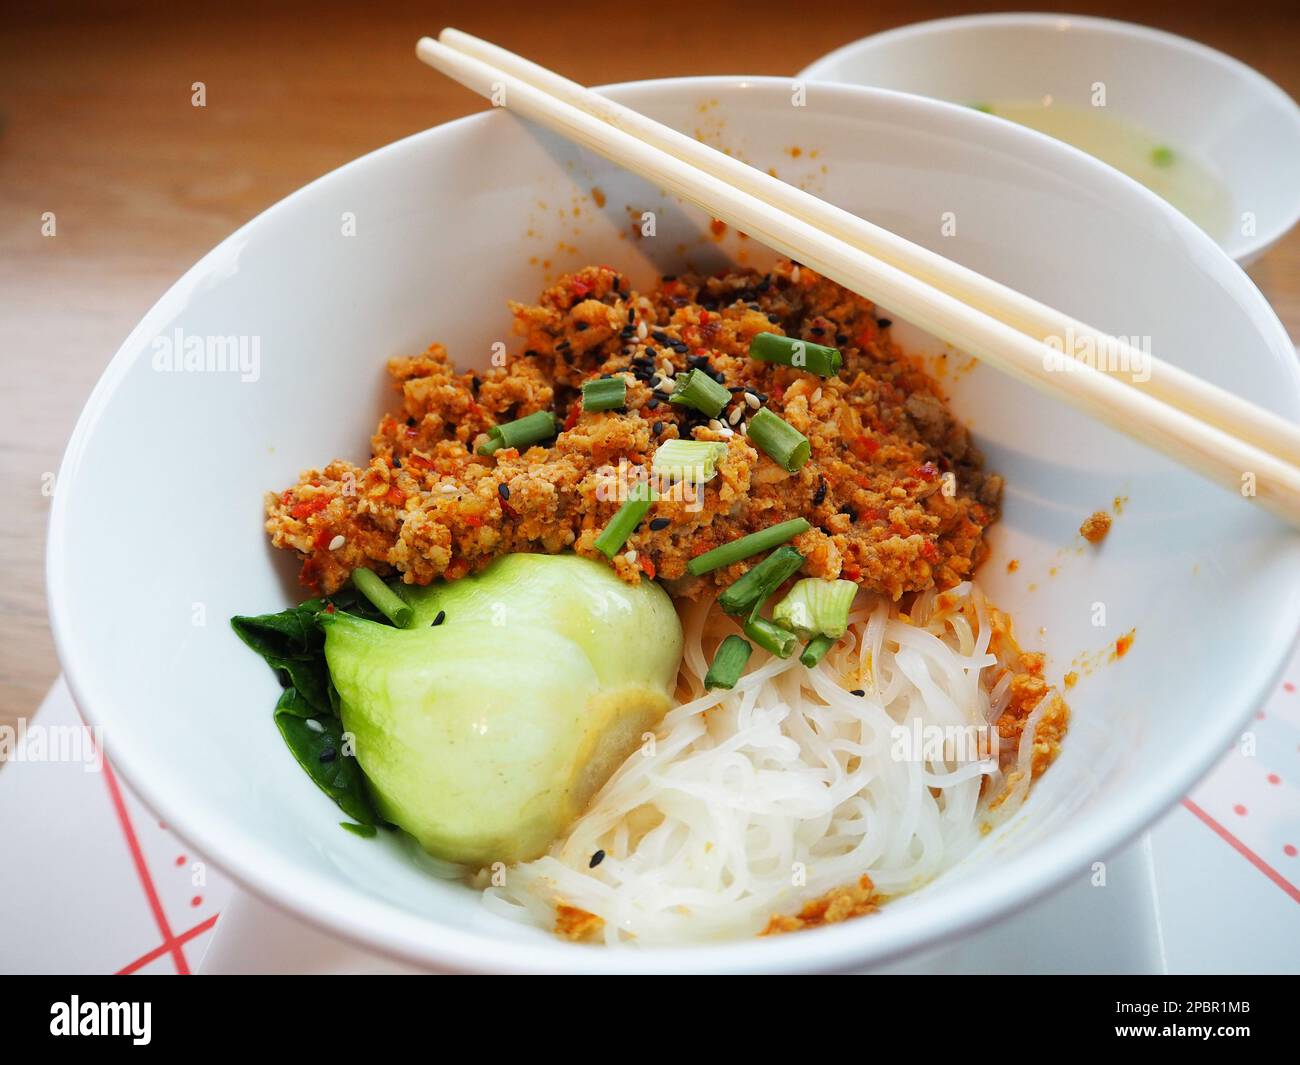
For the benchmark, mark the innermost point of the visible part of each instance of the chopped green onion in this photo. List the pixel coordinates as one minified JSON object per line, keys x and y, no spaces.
{"x":605,"y":393}
{"x":749,"y":592}
{"x":625,"y":520}
{"x":688,"y":460}
{"x":814,"y":607}
{"x":728,"y":664}
{"x":697,"y":389}
{"x":771,"y":637}
{"x":788,"y":447}
{"x":383,"y":598}
{"x":1162,"y":156}
{"x":519,"y":433}
{"x":753,"y":544}
{"x":801,"y":354}
{"x":816,"y":650}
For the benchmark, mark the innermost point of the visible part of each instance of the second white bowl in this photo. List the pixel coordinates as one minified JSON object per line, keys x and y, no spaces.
{"x":1239,"y":126}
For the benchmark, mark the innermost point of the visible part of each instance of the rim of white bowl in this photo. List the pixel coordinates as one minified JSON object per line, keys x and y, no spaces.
{"x":1245,"y":250}
{"x":344,"y":911}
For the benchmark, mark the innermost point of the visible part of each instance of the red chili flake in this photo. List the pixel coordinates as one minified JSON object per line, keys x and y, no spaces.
{"x":309,"y":507}
{"x":323,"y":538}
{"x":329,"y":608}
{"x":647,"y":567}
{"x":396,"y":496}
{"x":929,"y":551}
{"x":1123,"y":644}
{"x":575,"y":409}
{"x":418,"y":461}
{"x":927,"y":471}
{"x":579,"y":288}
{"x":866,"y":335}
{"x":507,"y":509}
{"x":477,"y":409}
{"x":778,"y":394}
{"x":872,"y":514}
{"x":851,"y":573}
{"x":864,"y":446}
{"x":704,"y":317}
{"x":473,"y":521}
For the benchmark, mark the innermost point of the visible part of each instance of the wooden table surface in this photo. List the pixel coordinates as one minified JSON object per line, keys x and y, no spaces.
{"x":96,"y":126}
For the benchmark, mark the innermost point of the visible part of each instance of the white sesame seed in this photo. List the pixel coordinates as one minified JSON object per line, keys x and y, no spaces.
{"x":630,"y":556}
{"x":743,"y":427}
{"x":666,"y":368}
{"x":667,"y":384}
{"x":817,"y":395}
{"x":794,"y":275}
{"x":338,"y":542}
{"x":728,"y":433}
{"x":315,"y":725}
{"x":735,"y":414}
{"x":714,"y":424}
{"x":752,"y":400}
{"x":642,"y":331}
{"x":448,"y":489}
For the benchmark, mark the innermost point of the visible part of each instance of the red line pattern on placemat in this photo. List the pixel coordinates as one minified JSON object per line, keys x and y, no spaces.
{"x":1244,"y":851}
{"x":172,"y":944}
{"x":142,"y":870}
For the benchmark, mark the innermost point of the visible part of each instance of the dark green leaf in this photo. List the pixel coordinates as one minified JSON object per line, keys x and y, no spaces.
{"x":321,"y":754}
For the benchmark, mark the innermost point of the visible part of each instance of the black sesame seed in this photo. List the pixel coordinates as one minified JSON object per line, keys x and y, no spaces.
{"x":439,"y":618}
{"x":581,"y":327}
{"x":774,"y":318}
{"x":596,"y":859}
{"x":661,"y":337}
{"x":851,"y":511}
{"x":475,"y":384}
{"x":659,"y":523}
{"x":631,"y":314}
{"x":819,"y":497}
{"x":530,"y":353}
{"x":503,"y":490}
{"x":410,"y":423}
{"x":328,"y":754}
{"x":884,"y":323}
{"x":841,"y":338}
{"x":679,"y":346}
{"x":658,"y":427}
{"x":858,"y":692}
{"x":816,"y":330}
{"x":670,"y":277}
{"x":652,"y":403}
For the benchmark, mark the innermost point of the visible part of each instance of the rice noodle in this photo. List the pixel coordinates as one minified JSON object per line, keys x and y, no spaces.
{"x":750,"y":802}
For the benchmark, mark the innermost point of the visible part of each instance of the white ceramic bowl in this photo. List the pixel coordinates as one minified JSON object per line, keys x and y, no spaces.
{"x":1240,"y":125}
{"x":156,"y":533}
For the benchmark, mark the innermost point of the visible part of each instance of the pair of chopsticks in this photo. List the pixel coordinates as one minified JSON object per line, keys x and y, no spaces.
{"x":1236,"y":444}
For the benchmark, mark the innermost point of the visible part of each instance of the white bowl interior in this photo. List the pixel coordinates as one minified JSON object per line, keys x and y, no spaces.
{"x":1242,"y":126}
{"x":157,"y":530}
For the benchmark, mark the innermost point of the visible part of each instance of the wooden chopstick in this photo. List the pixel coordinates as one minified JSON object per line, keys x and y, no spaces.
{"x":1167,"y":382}
{"x":1236,"y":461}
